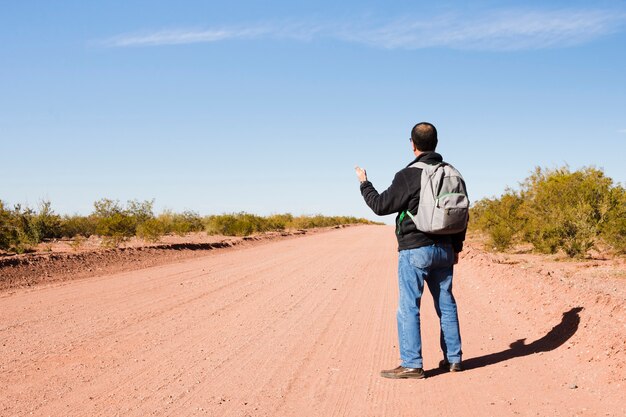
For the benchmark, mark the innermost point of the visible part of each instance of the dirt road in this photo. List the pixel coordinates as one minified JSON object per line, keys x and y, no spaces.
{"x":302,"y":327}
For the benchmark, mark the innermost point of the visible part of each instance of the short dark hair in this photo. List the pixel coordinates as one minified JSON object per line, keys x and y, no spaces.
{"x":424,"y":136}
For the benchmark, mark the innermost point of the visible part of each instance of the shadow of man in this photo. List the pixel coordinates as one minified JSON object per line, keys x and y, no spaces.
{"x":558,"y":335}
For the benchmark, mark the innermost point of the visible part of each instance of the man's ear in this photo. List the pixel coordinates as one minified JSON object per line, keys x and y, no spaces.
{"x":413,"y":146}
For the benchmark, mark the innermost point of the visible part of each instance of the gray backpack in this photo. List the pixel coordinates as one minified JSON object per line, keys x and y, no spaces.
{"x":444,"y":206}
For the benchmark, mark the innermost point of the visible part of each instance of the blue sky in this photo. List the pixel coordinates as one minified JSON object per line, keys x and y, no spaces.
{"x":266,"y":107}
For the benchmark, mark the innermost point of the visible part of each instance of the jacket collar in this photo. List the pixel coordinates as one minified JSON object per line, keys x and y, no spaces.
{"x":428,"y":157}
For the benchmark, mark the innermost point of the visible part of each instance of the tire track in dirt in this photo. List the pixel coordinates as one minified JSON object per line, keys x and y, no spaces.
{"x":294,"y":328}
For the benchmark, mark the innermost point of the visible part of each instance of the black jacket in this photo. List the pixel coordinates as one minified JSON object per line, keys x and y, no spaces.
{"x":404,"y":194}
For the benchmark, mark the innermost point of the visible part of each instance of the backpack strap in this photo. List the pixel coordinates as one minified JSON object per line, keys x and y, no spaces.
{"x":400,"y":221}
{"x":421,"y":165}
{"x":424,"y":165}
{"x":402,"y":216}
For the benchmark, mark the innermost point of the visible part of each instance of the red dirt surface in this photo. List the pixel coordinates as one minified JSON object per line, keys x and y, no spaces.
{"x":58,"y":261}
{"x":302,"y":327}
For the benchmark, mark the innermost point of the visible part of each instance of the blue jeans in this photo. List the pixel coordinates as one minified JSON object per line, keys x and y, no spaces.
{"x":434,"y":265}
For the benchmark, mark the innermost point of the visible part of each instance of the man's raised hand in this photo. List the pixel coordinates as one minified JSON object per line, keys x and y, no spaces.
{"x":360,"y":172}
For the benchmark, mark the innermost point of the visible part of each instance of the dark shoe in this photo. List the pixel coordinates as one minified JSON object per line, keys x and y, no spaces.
{"x":402,"y":372}
{"x":452,"y":367}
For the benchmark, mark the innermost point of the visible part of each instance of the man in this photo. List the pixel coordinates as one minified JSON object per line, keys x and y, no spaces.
{"x":422,"y":258}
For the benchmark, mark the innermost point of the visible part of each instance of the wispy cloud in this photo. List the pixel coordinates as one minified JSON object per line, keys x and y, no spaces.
{"x":181,"y":37}
{"x":285,"y":30}
{"x":508,"y":30}
{"x":503,"y":30}
{"x":621,"y":131}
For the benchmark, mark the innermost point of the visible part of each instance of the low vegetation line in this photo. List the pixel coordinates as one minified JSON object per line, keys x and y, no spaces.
{"x":22,"y":228}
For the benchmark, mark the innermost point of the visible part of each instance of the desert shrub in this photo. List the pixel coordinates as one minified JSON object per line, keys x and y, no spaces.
{"x":76,"y":225}
{"x":22,"y":228}
{"x":319,"y":220}
{"x":244,"y":224}
{"x":237,"y":224}
{"x":280,"y":221}
{"x":47,"y":223}
{"x":308,"y":222}
{"x":181,"y":223}
{"x":187,"y":222}
{"x":151,"y":230}
{"x":557,"y":210}
{"x":565,"y":210}
{"x":499,"y":218}
{"x":27,"y":232}
{"x":613,"y":229}
{"x":140,"y":211}
{"x":8,"y":232}
{"x":113,"y":221}
{"x":18,"y":228}
{"x":117,"y":223}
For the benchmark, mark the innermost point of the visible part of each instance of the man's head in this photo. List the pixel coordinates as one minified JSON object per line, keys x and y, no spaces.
{"x":424,"y":137}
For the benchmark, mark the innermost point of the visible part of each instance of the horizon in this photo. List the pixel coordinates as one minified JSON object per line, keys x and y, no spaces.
{"x":267,"y":109}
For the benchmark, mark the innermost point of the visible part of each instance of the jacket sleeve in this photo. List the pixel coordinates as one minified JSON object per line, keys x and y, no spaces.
{"x":394,"y":199}
{"x":457,"y":240}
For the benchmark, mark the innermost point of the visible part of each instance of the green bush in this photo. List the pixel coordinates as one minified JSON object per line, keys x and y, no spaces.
{"x":244,"y":224}
{"x":613,"y":229}
{"x":307,"y":222}
{"x":499,"y":218}
{"x":140,"y":211}
{"x":239,"y":224}
{"x":23,"y":228}
{"x":47,"y":223}
{"x":557,"y":210}
{"x":117,"y":223}
{"x":181,"y":223}
{"x":280,"y":221}
{"x":565,"y":210}
{"x":76,"y":225}
{"x":151,"y":230}
{"x":8,"y":231}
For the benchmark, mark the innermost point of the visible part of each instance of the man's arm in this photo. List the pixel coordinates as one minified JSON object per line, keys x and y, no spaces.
{"x":392,"y":200}
{"x":457,"y":244}
{"x":457,"y":241}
